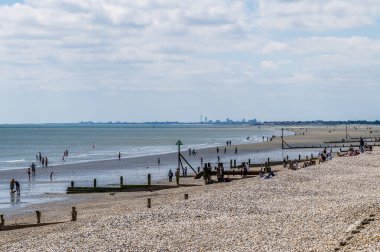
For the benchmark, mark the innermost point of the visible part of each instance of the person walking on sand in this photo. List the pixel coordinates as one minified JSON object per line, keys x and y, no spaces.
{"x":119,"y":156}
{"x":177,"y":176}
{"x":225,"y":150}
{"x":51,"y":176}
{"x":170,"y":175}
{"x":158,"y":161}
{"x":236,"y":150}
{"x":361,"y":145}
{"x":28,"y":171}
{"x":217,"y":150}
{"x":46,"y":162}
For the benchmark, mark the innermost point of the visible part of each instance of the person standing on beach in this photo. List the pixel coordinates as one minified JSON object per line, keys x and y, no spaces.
{"x":119,"y":156}
{"x":177,"y":176}
{"x":28,"y":171}
{"x":361,"y":145}
{"x":46,"y":162}
{"x":218,"y":159}
{"x":33,"y":166}
{"x":158,"y":161}
{"x":189,"y":151}
{"x":225,"y":150}
{"x":217,"y":150}
{"x":236,"y":150}
{"x":43,"y":162}
{"x":39,"y":156}
{"x":51,"y":176}
{"x":17,"y":187}
{"x":170,"y":175}
{"x":12,"y":185}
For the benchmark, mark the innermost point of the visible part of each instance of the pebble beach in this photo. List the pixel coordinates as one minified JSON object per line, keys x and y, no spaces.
{"x":327,"y":207}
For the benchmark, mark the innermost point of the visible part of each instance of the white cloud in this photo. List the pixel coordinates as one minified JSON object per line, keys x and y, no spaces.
{"x":318,"y":15}
{"x":119,"y":46}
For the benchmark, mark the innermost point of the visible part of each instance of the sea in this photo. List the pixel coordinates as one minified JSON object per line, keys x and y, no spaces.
{"x":19,"y":145}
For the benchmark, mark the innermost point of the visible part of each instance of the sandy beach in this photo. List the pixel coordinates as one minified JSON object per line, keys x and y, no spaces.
{"x":313,"y":209}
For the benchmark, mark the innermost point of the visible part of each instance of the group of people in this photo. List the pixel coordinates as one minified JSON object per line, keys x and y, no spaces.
{"x":324,"y":156}
{"x":15,"y":186}
{"x":31,"y":170}
{"x":43,"y":160}
{"x":170,"y":175}
{"x":192,"y":152}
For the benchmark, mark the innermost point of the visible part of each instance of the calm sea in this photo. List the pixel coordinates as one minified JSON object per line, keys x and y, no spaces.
{"x":19,"y":144}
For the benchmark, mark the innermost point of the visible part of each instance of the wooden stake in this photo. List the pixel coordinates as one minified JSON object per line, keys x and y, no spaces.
{"x":94,"y":182}
{"x":38,"y":213}
{"x":73,"y":214}
{"x":72,"y":183}
{"x":186,"y":196}
{"x":121,"y":181}
{"x":149,"y":203}
{"x":149,"y":180}
{"x":2,"y":221}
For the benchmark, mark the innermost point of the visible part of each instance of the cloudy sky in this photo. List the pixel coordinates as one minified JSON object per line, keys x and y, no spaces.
{"x":147,"y":60}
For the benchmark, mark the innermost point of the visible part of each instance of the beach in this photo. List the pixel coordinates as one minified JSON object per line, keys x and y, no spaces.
{"x":312,"y":209}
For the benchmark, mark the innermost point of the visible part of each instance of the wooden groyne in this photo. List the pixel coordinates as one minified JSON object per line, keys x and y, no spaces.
{"x":122,"y":187}
{"x":125,"y":188}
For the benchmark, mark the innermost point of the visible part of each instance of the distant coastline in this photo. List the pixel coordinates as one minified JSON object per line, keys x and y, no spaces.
{"x":228,"y":123}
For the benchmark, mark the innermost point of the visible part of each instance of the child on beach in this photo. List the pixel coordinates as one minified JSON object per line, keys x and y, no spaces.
{"x":170,"y":175}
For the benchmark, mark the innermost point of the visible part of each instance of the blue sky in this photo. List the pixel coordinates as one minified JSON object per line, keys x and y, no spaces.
{"x":69,"y":61}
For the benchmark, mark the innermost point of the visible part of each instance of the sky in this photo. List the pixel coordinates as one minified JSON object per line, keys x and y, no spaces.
{"x":157,"y":60}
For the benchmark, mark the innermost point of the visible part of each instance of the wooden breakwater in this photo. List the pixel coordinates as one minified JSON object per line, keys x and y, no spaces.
{"x":122,"y":187}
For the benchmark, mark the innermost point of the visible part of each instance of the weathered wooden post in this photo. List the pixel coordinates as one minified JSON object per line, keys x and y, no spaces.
{"x":299,"y":157}
{"x":74,"y":214}
{"x":149,"y":203}
{"x":234,"y":162}
{"x":38,"y":213}
{"x":94,"y":182}
{"x":268,"y":162}
{"x":307,"y":158}
{"x":199,"y":169}
{"x":186,"y":196}
{"x":121,"y":181}
{"x":72,"y":183}
{"x":149,"y":180}
{"x":230,"y":163}
{"x":287,"y":158}
{"x":311,"y":156}
{"x":340,"y":149}
{"x":2,"y":221}
{"x":249,"y":162}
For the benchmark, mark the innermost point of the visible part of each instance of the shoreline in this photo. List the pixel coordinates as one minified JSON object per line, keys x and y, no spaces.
{"x":83,"y":173}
